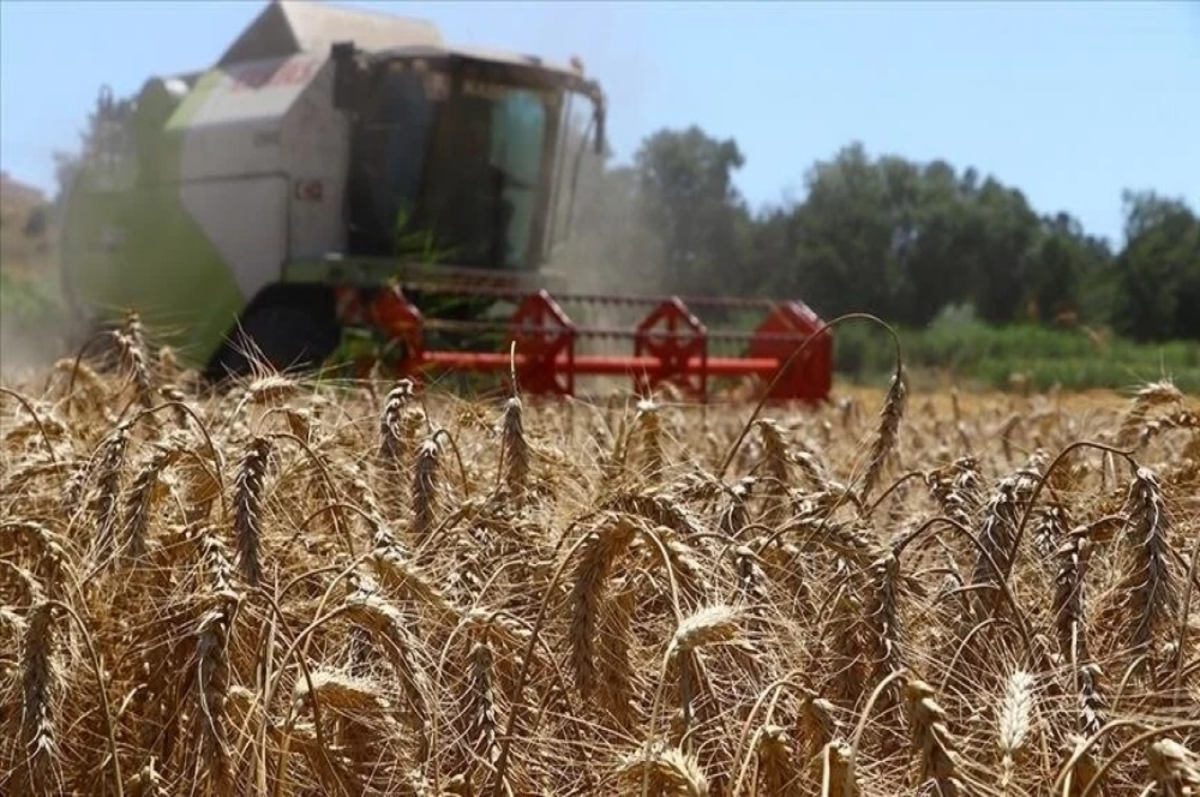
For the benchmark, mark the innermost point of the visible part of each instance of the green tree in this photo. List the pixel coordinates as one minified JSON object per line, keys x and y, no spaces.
{"x":685,"y":183}
{"x":902,"y":240}
{"x":934,"y":264}
{"x":1071,"y":271}
{"x":887,"y":235}
{"x":1158,"y":269}
{"x":851,"y":232}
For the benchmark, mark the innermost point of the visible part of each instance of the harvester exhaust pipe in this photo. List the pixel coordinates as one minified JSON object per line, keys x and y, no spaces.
{"x":349,"y":77}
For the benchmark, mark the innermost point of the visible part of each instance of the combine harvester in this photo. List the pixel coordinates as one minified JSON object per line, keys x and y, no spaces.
{"x":281,"y":199}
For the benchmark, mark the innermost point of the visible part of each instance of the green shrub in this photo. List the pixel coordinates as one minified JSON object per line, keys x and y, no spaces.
{"x":969,"y":353}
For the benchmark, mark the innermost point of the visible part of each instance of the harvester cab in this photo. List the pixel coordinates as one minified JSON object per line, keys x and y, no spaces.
{"x":340,"y":176}
{"x":460,"y":147}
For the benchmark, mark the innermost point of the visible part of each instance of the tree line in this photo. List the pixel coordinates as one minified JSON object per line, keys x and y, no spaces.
{"x":890,"y":236}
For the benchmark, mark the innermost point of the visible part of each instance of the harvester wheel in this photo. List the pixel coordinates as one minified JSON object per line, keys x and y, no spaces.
{"x":293,"y":332}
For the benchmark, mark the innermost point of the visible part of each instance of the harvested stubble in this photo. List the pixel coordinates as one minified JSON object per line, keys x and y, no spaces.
{"x":304,"y":589}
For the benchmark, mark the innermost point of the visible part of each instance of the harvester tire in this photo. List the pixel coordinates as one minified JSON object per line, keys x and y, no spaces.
{"x":286,"y":330}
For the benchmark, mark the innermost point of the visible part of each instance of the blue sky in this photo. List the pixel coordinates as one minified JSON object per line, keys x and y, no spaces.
{"x":1071,"y":102}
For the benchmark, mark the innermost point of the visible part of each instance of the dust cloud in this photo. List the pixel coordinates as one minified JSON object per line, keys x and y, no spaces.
{"x":609,"y":248}
{"x":34,"y":330}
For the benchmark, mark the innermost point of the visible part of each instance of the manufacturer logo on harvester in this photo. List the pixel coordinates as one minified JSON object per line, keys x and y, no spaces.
{"x":309,"y":190}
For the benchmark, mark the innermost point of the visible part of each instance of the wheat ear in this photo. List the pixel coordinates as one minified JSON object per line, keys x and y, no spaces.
{"x":516,"y":449}
{"x":41,"y":683}
{"x":1150,"y":396}
{"x":248,"y":507}
{"x":1151,"y":597}
{"x":1014,"y":722}
{"x":668,"y":770}
{"x":1175,"y":768}
{"x":600,"y":551}
{"x":887,"y":434}
{"x":932,"y":740}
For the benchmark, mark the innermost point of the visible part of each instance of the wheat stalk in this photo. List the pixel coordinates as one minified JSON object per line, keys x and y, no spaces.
{"x":724,"y":626}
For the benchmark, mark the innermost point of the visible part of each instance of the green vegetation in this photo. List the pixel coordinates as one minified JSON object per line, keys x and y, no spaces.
{"x":984,"y":290}
{"x":22,"y":298}
{"x":34,"y":323}
{"x":25,"y":291}
{"x":968,"y":352}
{"x":911,"y":242}
{"x":29,"y":302}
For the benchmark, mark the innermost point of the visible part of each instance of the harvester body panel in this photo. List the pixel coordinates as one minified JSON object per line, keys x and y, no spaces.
{"x":263,"y":165}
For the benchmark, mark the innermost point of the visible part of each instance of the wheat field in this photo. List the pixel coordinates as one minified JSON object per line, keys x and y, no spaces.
{"x":299,"y":588}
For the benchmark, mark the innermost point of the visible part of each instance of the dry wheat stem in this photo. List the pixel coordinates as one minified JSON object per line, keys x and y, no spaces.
{"x":1140,"y":739}
{"x":741,"y":641}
